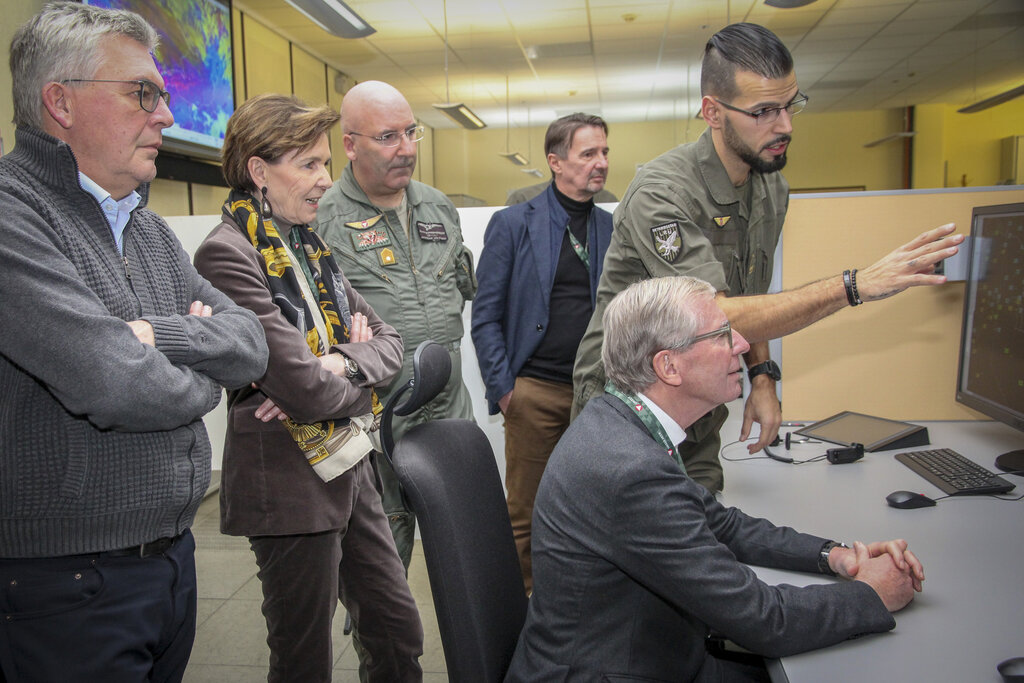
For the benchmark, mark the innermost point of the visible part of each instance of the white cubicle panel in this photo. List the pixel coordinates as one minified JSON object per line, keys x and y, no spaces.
{"x":191,"y":230}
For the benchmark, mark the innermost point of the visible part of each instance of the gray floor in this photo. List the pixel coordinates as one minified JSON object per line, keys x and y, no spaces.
{"x":231,"y":635}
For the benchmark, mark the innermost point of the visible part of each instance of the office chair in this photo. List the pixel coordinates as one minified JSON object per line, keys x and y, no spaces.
{"x":451,"y":481}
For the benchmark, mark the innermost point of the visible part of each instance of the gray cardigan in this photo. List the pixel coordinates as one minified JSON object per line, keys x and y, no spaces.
{"x":102,"y":445}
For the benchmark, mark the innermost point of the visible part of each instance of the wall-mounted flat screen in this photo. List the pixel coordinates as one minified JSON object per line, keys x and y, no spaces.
{"x":194,"y":58}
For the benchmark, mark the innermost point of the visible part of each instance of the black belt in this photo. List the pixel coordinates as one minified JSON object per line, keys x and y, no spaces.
{"x":157,"y":547}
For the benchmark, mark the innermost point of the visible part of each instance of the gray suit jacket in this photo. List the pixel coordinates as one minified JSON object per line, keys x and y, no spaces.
{"x":633,"y":563}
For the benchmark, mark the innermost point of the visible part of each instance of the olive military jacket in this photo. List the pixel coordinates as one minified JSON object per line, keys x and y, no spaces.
{"x":682,"y":215}
{"x":419,"y":284}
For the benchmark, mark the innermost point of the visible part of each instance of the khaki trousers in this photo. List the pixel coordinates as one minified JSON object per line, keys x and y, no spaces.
{"x":537,"y":417}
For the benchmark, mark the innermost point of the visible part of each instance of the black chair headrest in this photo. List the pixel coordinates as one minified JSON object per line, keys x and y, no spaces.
{"x":431,"y":368}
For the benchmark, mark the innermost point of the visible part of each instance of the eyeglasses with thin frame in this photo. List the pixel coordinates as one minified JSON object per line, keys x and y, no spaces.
{"x":393,"y":138}
{"x":723,"y":331}
{"x":149,"y":92}
{"x":769,"y":115}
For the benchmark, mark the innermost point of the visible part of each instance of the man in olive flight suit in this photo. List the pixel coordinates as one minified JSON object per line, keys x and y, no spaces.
{"x":399,"y":243}
{"x":714,"y":209}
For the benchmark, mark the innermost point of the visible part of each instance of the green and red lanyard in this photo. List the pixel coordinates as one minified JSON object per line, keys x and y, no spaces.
{"x":581,"y":251}
{"x":650,"y":420}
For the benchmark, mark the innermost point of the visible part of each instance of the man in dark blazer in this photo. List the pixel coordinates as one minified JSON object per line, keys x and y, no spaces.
{"x":635,"y":563}
{"x":537,"y":276}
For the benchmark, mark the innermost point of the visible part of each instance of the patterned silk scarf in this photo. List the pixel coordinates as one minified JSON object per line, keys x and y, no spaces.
{"x":319,"y":440}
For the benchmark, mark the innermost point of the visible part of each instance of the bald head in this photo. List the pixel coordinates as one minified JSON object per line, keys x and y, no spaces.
{"x":368,"y":111}
{"x":366,"y":101}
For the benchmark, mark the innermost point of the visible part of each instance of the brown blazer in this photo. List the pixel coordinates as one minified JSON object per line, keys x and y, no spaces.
{"x":267,"y":487}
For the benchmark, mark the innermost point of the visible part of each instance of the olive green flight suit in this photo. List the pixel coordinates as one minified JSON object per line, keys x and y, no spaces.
{"x":682,"y":216}
{"x":419,"y":284}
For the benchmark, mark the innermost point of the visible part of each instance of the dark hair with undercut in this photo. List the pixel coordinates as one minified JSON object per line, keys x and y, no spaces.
{"x":741,"y":46}
{"x":560,"y":133}
{"x":270,"y":126}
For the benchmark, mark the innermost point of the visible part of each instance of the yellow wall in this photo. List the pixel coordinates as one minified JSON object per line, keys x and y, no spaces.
{"x":827,"y":152}
{"x":973,"y":142}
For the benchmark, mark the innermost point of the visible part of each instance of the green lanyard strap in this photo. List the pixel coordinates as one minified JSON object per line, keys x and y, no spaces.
{"x":650,"y":420}
{"x":581,"y":251}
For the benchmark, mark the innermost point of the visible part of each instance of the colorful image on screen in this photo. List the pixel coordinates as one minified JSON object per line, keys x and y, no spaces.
{"x":194,"y":57}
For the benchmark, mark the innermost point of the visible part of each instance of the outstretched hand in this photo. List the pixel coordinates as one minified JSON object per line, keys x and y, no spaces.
{"x":910,"y":265}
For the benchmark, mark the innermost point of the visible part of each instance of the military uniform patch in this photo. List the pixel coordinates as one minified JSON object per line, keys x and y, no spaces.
{"x":363,"y":225}
{"x":720,"y":221}
{"x":387,"y":257}
{"x":371,"y":239}
{"x":667,"y":241}
{"x":431,"y":232}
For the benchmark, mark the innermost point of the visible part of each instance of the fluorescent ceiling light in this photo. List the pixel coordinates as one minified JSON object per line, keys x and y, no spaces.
{"x":335,"y":17}
{"x":993,"y":101}
{"x":515,"y":157}
{"x":787,"y":4}
{"x":890,"y":138}
{"x":461,"y":114}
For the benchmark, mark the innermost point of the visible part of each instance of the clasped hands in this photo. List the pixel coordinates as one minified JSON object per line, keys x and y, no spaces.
{"x":893,"y":571}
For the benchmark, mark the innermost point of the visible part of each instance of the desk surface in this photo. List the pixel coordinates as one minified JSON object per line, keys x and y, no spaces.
{"x":970,"y":616}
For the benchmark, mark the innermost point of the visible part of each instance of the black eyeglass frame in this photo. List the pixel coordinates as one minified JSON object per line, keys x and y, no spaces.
{"x":771,"y":114}
{"x":383,"y":138}
{"x":159,"y":93}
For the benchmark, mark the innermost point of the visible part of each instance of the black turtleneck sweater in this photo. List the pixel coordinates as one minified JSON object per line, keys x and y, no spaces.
{"x":570,"y":302}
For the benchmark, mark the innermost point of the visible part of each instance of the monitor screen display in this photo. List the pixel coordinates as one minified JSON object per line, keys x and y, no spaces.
{"x":991,"y":376}
{"x":194,"y":58}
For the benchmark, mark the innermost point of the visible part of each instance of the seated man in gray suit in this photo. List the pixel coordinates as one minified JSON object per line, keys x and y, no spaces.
{"x":634,"y":563}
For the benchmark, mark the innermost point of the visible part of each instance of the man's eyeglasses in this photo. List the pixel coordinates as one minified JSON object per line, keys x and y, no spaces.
{"x":149,"y":92}
{"x":394,"y":139}
{"x":723,"y":331}
{"x":769,"y":115}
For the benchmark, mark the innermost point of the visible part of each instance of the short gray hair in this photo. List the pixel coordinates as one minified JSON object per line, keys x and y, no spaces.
{"x":62,"y":42}
{"x":647,"y":317}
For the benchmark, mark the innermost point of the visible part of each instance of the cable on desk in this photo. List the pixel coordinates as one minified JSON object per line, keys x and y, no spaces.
{"x":769,"y":455}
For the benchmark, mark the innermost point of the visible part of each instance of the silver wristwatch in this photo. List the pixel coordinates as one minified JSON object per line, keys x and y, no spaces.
{"x":351,"y":367}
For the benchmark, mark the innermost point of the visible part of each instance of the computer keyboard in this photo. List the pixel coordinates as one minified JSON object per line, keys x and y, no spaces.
{"x":953,"y":473}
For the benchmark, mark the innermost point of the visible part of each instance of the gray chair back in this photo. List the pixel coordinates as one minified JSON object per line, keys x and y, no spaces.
{"x":451,"y":480}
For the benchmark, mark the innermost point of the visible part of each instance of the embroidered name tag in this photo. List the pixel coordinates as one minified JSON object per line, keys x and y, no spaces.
{"x":370,"y":239}
{"x":431,"y":232}
{"x":667,"y":241}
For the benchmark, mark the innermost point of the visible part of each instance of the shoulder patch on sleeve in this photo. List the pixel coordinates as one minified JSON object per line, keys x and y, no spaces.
{"x":667,"y":241}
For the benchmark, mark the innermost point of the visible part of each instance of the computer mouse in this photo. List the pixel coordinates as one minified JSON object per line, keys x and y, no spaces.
{"x":908,"y":499}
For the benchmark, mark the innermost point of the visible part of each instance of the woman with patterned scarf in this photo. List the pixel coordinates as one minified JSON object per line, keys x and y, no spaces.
{"x":296,"y":480}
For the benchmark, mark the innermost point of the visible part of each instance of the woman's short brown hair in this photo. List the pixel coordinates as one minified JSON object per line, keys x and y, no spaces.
{"x":269,"y":126}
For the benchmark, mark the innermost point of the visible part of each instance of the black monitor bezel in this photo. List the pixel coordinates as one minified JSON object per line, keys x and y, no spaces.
{"x":989,"y":408}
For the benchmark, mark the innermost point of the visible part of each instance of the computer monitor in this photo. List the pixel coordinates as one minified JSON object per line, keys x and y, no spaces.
{"x":991,"y":375}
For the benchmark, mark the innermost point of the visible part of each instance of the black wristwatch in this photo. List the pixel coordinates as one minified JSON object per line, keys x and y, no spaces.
{"x":769,"y":367}
{"x":823,"y":566}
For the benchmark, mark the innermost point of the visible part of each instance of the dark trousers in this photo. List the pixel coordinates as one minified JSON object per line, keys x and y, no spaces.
{"x":88,"y":618}
{"x":304,"y":576}
{"x":537,"y":416}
